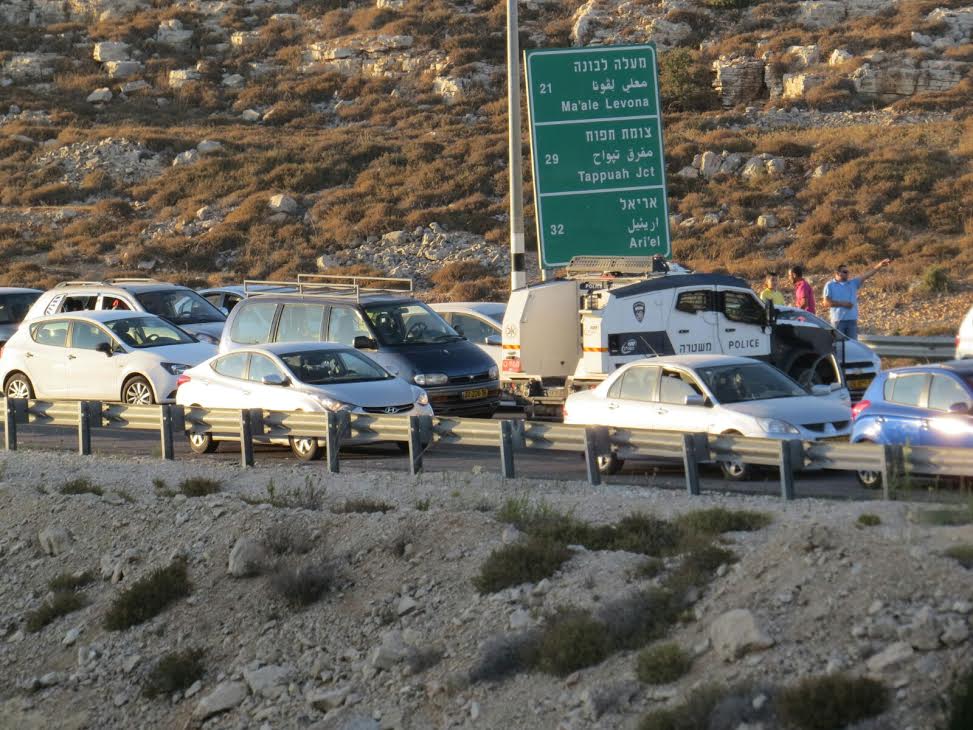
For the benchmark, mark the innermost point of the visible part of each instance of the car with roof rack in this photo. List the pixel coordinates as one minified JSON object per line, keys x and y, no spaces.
{"x":381,"y":317}
{"x":179,"y":305}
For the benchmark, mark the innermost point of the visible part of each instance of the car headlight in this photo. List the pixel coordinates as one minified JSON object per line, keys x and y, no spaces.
{"x":335,"y":405}
{"x":208,"y":339}
{"x":430,"y":379}
{"x":494,"y":373}
{"x":174,"y":368}
{"x":421,"y":397}
{"x":775,"y":425}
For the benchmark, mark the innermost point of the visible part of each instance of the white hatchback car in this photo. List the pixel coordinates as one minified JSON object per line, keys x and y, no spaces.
{"x":108,"y":355}
{"x":715,"y":394}
{"x":297,"y":376}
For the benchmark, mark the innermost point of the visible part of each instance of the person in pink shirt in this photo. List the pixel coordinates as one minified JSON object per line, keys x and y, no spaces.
{"x":803,"y":293}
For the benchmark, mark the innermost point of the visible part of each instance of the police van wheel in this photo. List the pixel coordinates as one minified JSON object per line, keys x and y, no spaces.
{"x":610,"y":464}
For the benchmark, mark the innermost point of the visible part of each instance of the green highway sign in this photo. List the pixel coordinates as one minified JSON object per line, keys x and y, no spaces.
{"x":596,"y":146}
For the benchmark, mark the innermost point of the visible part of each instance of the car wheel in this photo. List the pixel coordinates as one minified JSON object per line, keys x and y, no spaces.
{"x":736,"y":471}
{"x":869,"y":479}
{"x":306,"y":449}
{"x":609,"y":464}
{"x":137,"y":392}
{"x":202,"y":443}
{"x":18,"y":386}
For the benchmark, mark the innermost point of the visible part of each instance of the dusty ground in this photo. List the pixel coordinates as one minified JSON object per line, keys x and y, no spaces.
{"x":829,"y":593}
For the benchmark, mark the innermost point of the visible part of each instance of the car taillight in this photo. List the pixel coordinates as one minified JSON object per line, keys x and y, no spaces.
{"x":856,"y":410}
{"x":182,"y":379}
{"x":511,"y":365}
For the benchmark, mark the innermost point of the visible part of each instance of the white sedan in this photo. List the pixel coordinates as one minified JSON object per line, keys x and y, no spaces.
{"x":107,"y":355}
{"x":294,"y":376}
{"x":479,"y":322}
{"x":715,"y":394}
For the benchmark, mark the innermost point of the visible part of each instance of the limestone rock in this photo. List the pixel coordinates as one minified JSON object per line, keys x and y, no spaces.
{"x":111,"y":51}
{"x":209,"y":147}
{"x":30,"y":66}
{"x":738,"y":80}
{"x":172,"y":33}
{"x":123,"y":69}
{"x":179,"y":77}
{"x":805,"y":56}
{"x":392,"y":651}
{"x":839,"y":56}
{"x":923,"y":633}
{"x":248,"y":557}
{"x":226,"y":696}
{"x":186,"y":158}
{"x":99,"y":96}
{"x":269,"y":681}
{"x":736,"y":633}
{"x":325,"y":700}
{"x":890,"y":657}
{"x":54,"y":540}
{"x":281,"y":203}
{"x":797,"y":85}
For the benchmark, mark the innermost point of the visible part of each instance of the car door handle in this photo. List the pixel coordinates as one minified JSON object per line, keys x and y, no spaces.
{"x":246,"y":392}
{"x":72,"y":357}
{"x":612,"y":406}
{"x":28,"y":354}
{"x":684,"y":332}
{"x":880,"y":419}
{"x":730,"y":329}
{"x":662,"y":411}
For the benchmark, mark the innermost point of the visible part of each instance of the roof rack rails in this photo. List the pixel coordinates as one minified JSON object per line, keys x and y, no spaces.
{"x":325,"y":285}
{"x":395,"y":284}
{"x":134,"y":280}
{"x":268,"y":286}
{"x":80,"y":282}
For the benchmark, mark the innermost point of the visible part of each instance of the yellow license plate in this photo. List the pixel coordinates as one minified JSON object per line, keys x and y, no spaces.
{"x":474,"y":394}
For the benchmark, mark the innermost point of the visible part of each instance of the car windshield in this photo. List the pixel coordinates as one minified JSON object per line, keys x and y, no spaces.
{"x":322,"y":367}
{"x":13,"y":307}
{"x":756,"y":381}
{"x":409,"y":324}
{"x":801,"y":316}
{"x":142,"y":332}
{"x":180,"y":306}
{"x":495,"y":316}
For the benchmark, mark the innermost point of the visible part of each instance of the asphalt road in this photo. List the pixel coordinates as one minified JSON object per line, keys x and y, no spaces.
{"x":445,"y":458}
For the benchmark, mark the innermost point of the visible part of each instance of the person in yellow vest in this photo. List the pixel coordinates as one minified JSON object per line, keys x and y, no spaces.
{"x":770,"y":292}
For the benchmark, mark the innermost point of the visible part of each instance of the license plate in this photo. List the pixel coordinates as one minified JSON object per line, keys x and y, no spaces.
{"x":474,"y":394}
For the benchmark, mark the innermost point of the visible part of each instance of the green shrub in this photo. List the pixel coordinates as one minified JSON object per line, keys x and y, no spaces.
{"x":309,"y":497}
{"x":961,"y":705}
{"x":869,"y":520}
{"x":301,"y":586}
{"x":199,"y":486}
{"x":174,"y":672}
{"x":685,"y":82}
{"x":288,"y":539}
{"x":506,"y":654}
{"x":717,"y":520}
{"x":81,"y":485}
{"x":363,"y":506}
{"x":572,"y":640}
{"x":698,"y":567}
{"x":662,"y":664}
{"x":522,"y":562}
{"x":70,"y":581}
{"x":60,"y":604}
{"x":935,"y":280}
{"x":945,"y":517}
{"x":832,"y":701}
{"x":693,"y":714}
{"x":962,"y":554}
{"x":649,"y":568}
{"x":148,"y":596}
{"x":633,"y":620}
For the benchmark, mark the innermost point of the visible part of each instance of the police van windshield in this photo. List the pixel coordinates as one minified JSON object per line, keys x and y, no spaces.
{"x":409,"y":324}
{"x":180,"y":306}
{"x":739,"y":383}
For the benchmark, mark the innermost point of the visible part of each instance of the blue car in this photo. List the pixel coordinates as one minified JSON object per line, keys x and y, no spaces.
{"x":925,"y":405}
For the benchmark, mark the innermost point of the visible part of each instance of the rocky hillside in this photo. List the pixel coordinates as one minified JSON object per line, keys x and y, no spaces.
{"x":153,"y":594}
{"x":201,"y":139}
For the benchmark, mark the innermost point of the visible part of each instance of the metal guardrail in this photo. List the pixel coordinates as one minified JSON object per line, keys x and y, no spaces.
{"x":923,"y":348}
{"x":249,"y":426}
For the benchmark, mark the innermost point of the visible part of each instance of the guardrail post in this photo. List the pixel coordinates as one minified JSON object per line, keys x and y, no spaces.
{"x":10,"y":425}
{"x":690,"y":461}
{"x":333,"y":441}
{"x":507,"y":448}
{"x":791,"y":451}
{"x":591,"y":453}
{"x":415,"y":445}
{"x":165,"y":433}
{"x":246,"y":437}
{"x":892,"y":463}
{"x":84,"y":429}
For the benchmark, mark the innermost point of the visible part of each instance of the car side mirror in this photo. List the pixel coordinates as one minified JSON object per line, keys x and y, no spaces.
{"x":820,"y":389}
{"x":105,"y":347}
{"x":274,"y":379}
{"x":494,"y":340}
{"x":694,"y":400}
{"x":365,"y":343}
{"x":961,"y":408}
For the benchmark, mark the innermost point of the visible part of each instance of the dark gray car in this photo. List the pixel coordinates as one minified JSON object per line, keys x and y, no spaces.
{"x":14,"y":304}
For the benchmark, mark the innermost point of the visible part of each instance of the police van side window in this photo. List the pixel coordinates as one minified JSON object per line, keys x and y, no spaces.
{"x":742,"y":307}
{"x":693,"y":301}
{"x":253,"y":322}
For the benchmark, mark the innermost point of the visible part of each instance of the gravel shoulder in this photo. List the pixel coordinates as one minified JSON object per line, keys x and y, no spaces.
{"x":830,"y":594}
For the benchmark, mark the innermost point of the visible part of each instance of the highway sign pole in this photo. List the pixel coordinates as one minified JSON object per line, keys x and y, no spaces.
{"x":596,"y":149}
{"x":518,"y":269}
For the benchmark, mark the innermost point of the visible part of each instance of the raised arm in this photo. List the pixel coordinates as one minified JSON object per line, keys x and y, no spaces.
{"x":865,"y":276}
